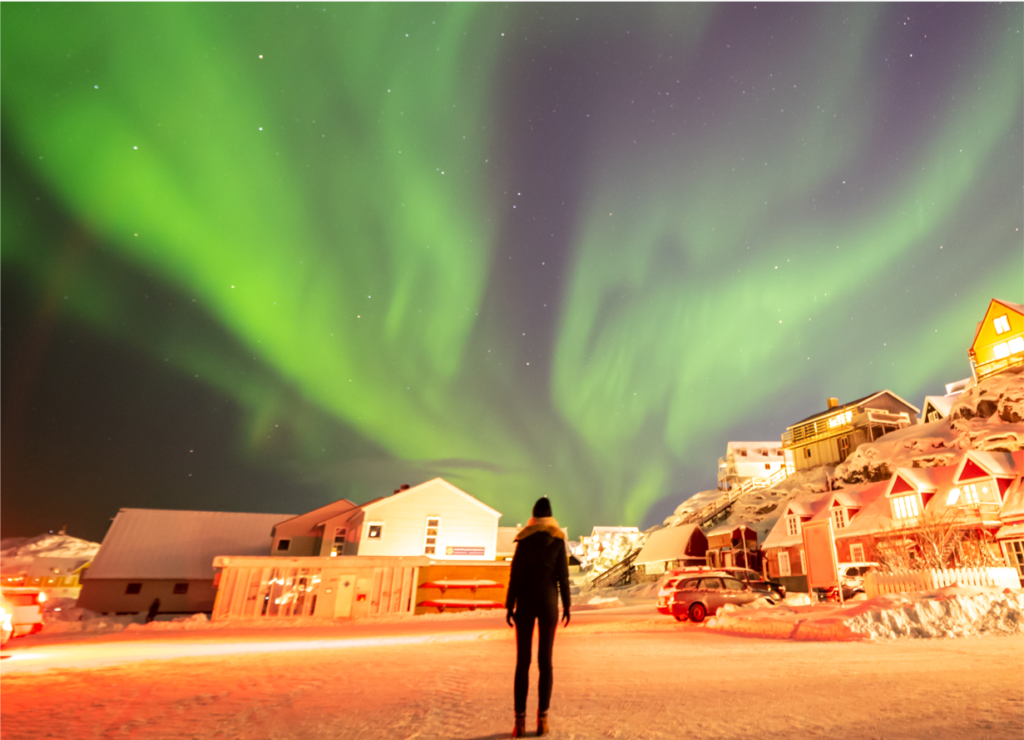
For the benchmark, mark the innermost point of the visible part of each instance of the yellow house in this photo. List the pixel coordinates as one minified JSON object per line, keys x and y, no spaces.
{"x":999,"y":340}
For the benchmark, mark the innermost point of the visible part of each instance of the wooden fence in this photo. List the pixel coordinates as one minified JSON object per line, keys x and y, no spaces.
{"x":927,"y":580}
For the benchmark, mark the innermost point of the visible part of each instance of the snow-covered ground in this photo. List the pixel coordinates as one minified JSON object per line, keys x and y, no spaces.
{"x":621,"y":672}
{"x":954,"y":611}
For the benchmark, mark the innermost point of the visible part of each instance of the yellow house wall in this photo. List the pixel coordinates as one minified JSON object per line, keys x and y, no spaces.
{"x":987,"y":338}
{"x":463,"y":524}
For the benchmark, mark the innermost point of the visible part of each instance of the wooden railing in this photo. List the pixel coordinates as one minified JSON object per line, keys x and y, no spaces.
{"x":726,"y":500}
{"x":994,"y":366}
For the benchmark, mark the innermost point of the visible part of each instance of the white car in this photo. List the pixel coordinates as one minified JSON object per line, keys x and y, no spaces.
{"x":23,"y":610}
{"x":851,"y":576}
{"x":6,"y":626}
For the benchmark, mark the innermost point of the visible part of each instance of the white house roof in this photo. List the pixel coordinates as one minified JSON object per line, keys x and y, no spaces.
{"x":163,"y":543}
{"x":418,"y":489}
{"x":667,"y":544}
{"x":942,"y":404}
{"x":754,"y":449}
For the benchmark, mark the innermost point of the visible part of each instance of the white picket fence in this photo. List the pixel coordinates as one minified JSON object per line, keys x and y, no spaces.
{"x":926,"y":580}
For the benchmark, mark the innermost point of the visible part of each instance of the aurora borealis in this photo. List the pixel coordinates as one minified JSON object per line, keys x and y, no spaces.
{"x":261,"y":257}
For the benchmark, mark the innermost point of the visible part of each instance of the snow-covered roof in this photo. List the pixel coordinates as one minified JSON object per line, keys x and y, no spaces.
{"x":875,"y":514}
{"x":942,"y":404}
{"x":804,"y":507}
{"x":669,"y":543}
{"x":756,"y":448}
{"x":1001,"y":464}
{"x":163,"y":543}
{"x":858,"y":402}
{"x":1016,"y":307}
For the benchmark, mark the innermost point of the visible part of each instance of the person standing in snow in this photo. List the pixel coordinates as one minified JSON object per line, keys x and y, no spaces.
{"x":540,"y":570}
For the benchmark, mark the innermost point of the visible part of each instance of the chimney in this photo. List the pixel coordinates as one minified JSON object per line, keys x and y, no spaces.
{"x":833,"y":402}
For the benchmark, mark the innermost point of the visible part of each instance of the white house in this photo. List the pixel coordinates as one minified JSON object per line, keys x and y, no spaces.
{"x":435,"y":519}
{"x":744,"y":461}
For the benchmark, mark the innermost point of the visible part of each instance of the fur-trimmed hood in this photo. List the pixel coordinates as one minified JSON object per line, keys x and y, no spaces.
{"x":542,"y":524}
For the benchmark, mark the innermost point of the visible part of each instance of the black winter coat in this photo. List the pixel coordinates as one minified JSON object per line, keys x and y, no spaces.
{"x":540,"y":570}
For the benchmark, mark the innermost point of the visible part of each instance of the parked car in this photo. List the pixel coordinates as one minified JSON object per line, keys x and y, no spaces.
{"x":696,"y":597}
{"x":6,"y":627}
{"x":851,"y":577}
{"x":25,"y":608}
{"x":772,"y":589}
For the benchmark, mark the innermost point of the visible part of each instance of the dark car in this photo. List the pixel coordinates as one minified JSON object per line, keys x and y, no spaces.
{"x":772,"y":589}
{"x":695,"y":598}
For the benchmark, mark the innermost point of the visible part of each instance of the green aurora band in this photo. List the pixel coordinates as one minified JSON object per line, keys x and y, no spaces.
{"x":340,"y":208}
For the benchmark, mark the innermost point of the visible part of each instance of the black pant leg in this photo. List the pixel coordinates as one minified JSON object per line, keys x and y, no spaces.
{"x":524,"y":646}
{"x":546,"y":624}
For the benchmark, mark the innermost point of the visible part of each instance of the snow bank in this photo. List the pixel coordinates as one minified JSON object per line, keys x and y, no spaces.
{"x":17,"y":553}
{"x":954,"y":611}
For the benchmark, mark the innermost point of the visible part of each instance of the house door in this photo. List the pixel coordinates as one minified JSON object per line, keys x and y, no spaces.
{"x":343,"y":601}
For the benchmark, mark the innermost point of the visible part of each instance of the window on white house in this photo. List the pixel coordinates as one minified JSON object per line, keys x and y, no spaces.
{"x":803,"y":562}
{"x":375,"y":530}
{"x":969,"y":494}
{"x":340,"y":537}
{"x":767,"y":466}
{"x":1001,"y":350}
{"x":807,"y":451}
{"x":792,"y":526}
{"x":857,"y":552}
{"x":784,"y":564}
{"x":283,"y":545}
{"x":1016,"y":345}
{"x":430,"y":538}
{"x":905,"y":507}
{"x":1002,"y":324}
{"x":839,"y":518}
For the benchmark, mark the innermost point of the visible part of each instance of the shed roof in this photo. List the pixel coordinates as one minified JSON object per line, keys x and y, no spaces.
{"x":857,"y":402}
{"x":164,"y":543}
{"x":668,"y":544}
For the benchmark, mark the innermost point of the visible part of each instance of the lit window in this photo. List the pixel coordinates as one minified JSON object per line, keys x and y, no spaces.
{"x":1002,"y":324}
{"x":839,"y":518}
{"x":375,"y":531}
{"x":857,"y":552}
{"x":953,"y":497}
{"x":1001,"y":350}
{"x":793,"y":526}
{"x":1015,"y":549}
{"x":904,"y":507}
{"x":430,"y":539}
{"x":340,"y":537}
{"x":970,"y":492}
{"x":1016,"y":345}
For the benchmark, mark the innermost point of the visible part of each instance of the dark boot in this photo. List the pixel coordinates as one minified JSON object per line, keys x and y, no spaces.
{"x":520,"y":729}
{"x":542,"y":724}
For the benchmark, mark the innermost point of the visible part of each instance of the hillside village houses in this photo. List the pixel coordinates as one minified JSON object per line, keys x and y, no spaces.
{"x":828,"y":437}
{"x":745,"y":461}
{"x":981,"y":492}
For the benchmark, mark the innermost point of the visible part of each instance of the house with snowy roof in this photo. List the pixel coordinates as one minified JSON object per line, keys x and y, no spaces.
{"x":980,"y":493}
{"x":998,"y":344}
{"x":745,"y":461}
{"x":435,"y":519}
{"x":150,"y":554}
{"x":783,"y":547}
{"x":938,"y":407}
{"x":828,"y":437}
{"x":671,"y":547}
